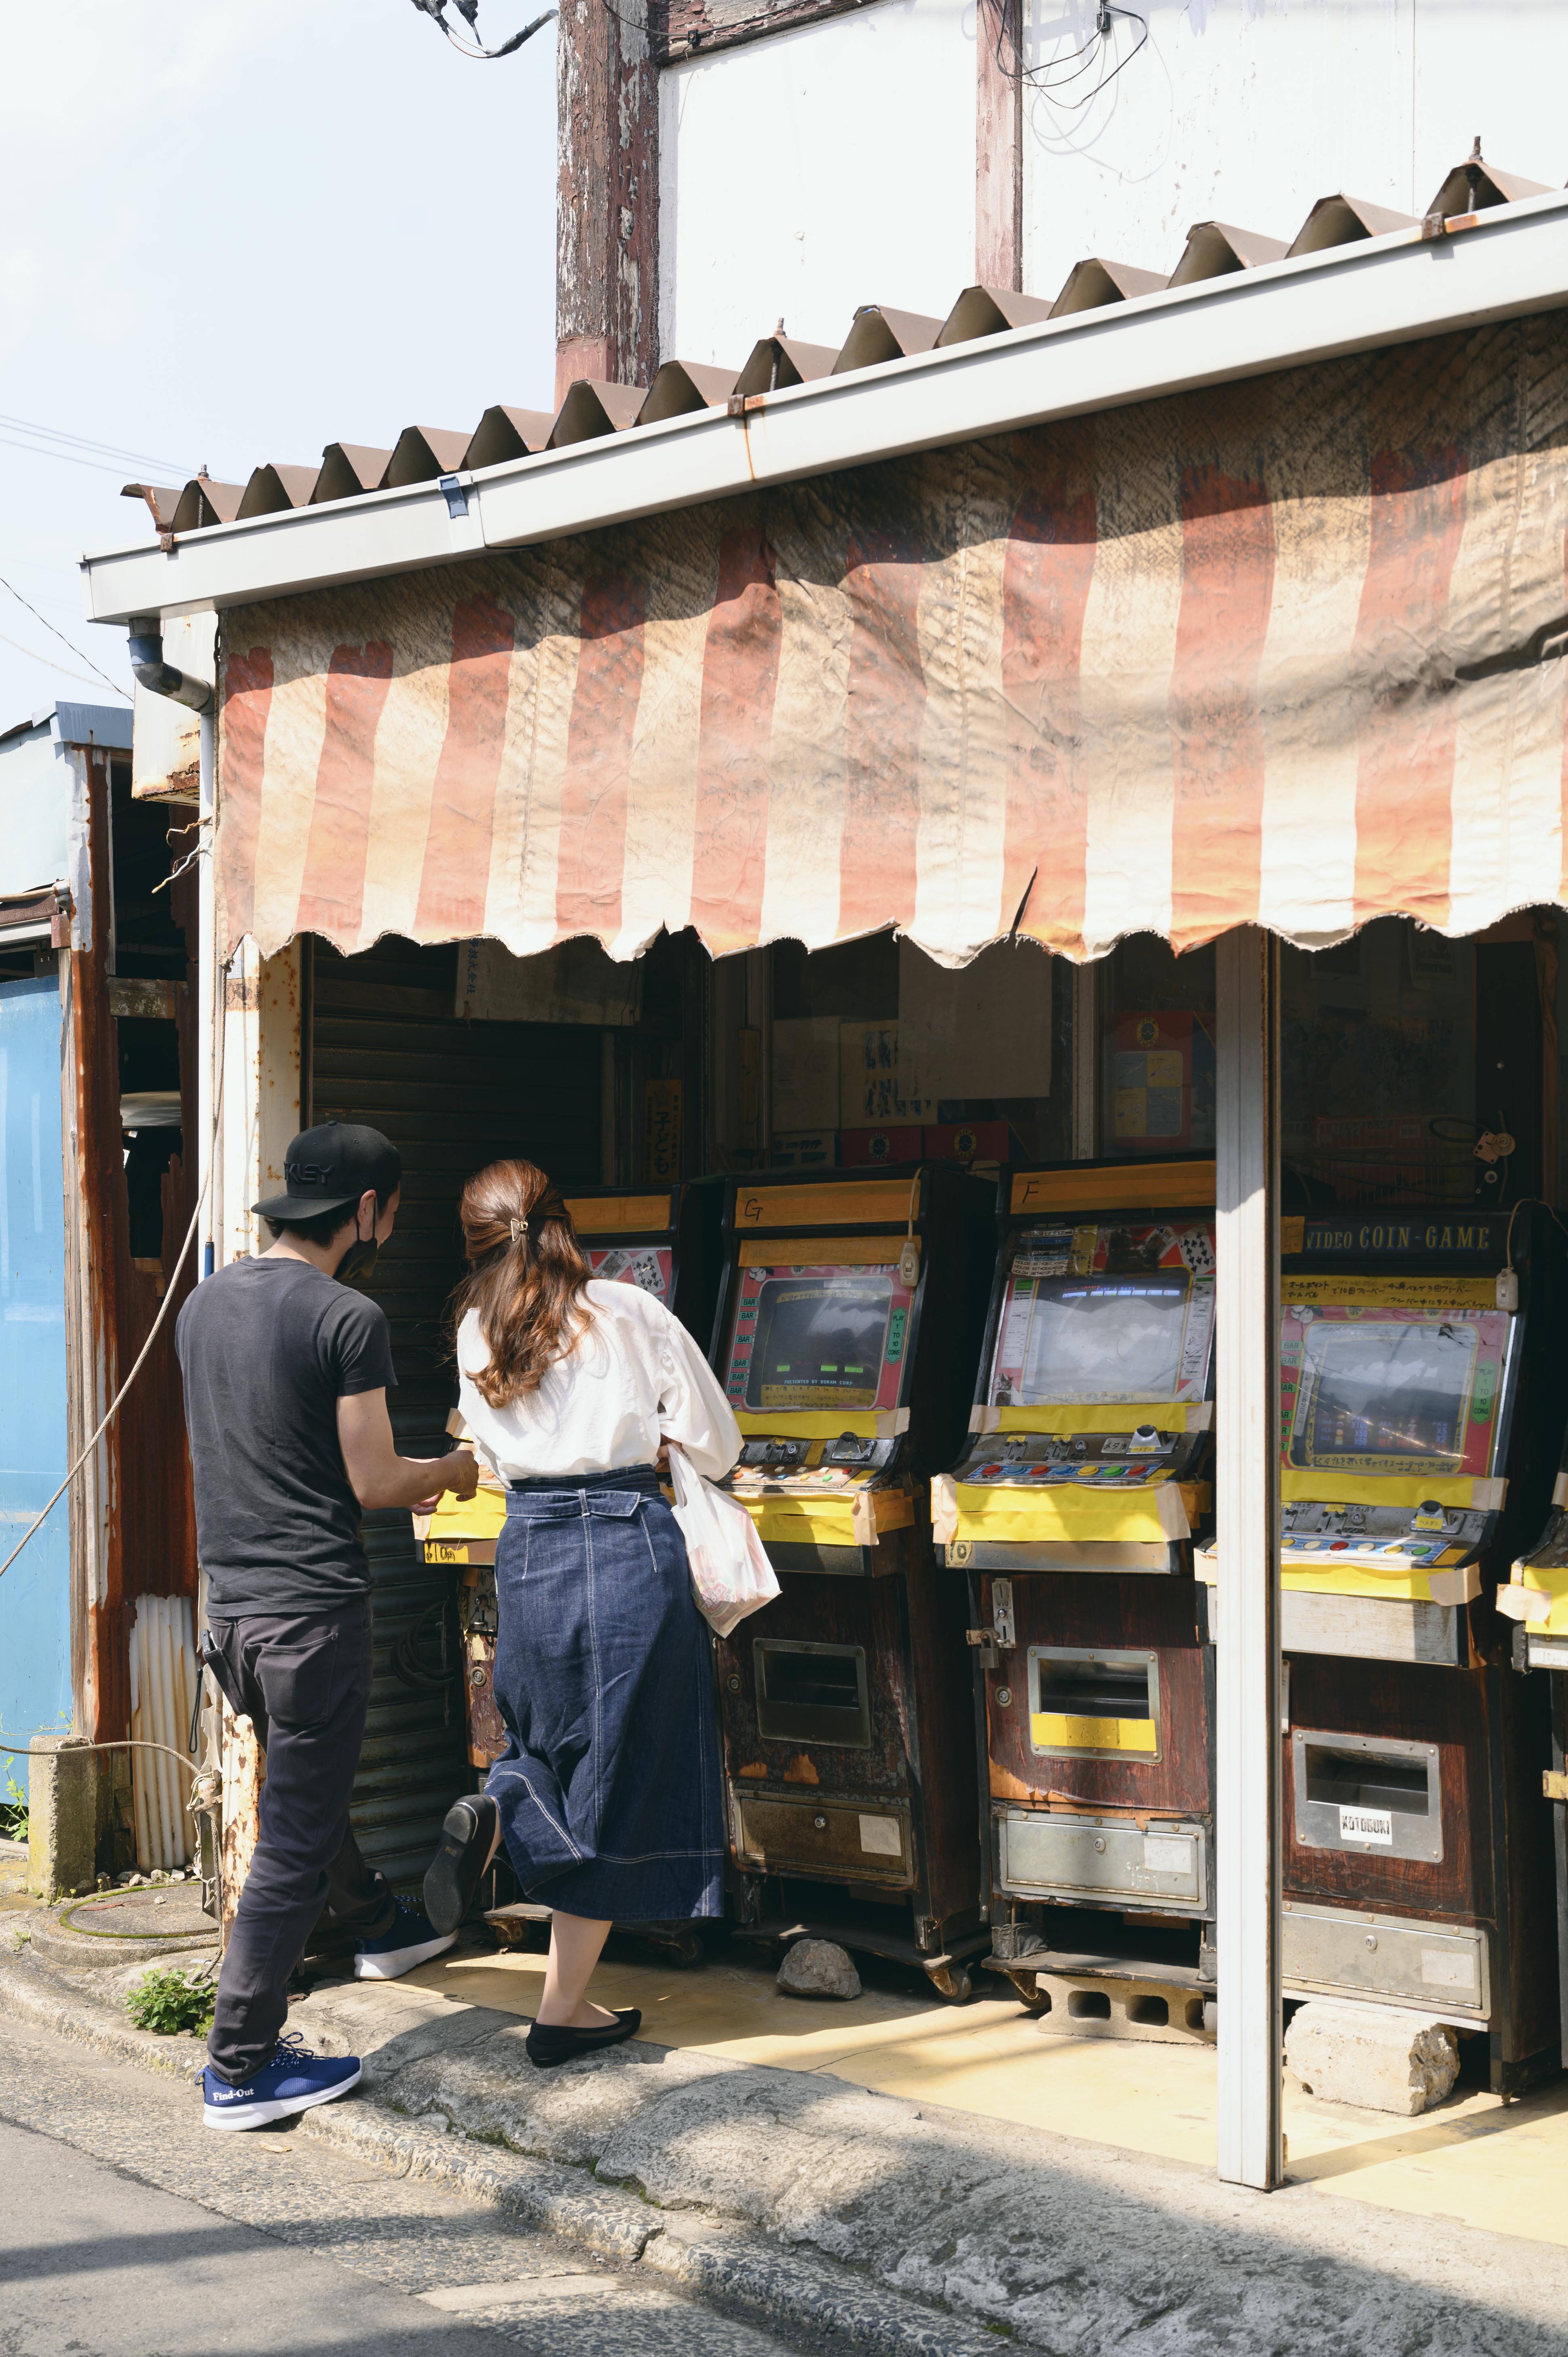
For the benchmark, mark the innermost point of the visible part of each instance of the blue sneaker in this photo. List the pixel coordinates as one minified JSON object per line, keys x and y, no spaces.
{"x":292,"y":2081}
{"x":413,"y":1939}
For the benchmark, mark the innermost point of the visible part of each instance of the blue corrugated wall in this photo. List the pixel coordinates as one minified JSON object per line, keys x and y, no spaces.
{"x":35,"y":1594}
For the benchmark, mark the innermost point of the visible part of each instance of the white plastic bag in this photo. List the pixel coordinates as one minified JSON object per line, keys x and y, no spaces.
{"x":731,"y":1575}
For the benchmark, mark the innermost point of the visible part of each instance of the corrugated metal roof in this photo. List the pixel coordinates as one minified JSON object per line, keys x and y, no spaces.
{"x":1352,"y":276}
{"x":878,"y":333}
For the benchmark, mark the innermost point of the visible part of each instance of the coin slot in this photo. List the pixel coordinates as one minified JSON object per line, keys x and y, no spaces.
{"x":1367,"y":1780}
{"x":811,"y":1694}
{"x":1088,"y":1704}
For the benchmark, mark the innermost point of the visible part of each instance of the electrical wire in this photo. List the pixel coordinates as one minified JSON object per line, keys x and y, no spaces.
{"x":59,"y":634}
{"x":109,"y":452}
{"x":1046,"y":79}
{"x":114,"y":1408}
{"x":49,"y":663}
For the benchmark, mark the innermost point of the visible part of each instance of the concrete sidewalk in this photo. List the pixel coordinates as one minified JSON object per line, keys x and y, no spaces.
{"x":889,"y":2223}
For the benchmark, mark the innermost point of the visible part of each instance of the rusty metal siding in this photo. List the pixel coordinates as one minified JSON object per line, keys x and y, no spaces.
{"x":387,"y":1048}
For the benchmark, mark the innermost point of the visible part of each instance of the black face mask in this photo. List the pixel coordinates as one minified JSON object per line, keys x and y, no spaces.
{"x":358,"y":1264}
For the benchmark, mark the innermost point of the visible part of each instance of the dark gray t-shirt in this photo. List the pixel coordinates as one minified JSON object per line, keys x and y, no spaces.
{"x":267,"y":1348}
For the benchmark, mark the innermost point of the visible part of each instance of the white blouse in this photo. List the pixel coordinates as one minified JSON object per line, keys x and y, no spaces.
{"x":632,"y":1378}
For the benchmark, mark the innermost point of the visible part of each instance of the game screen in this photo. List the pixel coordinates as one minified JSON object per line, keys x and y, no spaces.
{"x":1391,"y":1384}
{"x":819,"y":1337}
{"x":649,"y":1265}
{"x":1103,"y":1315}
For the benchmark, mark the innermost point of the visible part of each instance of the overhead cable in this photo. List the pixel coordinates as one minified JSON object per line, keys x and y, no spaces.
{"x":82,"y":447}
{"x":61,"y":637}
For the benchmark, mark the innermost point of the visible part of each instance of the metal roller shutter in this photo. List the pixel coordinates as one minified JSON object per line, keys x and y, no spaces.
{"x":451,"y":1095}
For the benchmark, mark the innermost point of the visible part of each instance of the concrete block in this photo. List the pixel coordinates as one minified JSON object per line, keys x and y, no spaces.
{"x":63,"y":1814}
{"x":1381,"y":2057}
{"x":1157,"y":2012}
{"x":818,"y":1968}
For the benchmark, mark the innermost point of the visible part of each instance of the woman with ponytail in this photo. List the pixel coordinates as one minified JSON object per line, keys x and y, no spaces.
{"x":607,"y":1796}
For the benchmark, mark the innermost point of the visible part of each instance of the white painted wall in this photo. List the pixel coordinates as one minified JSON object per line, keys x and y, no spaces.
{"x":1240,"y":110}
{"x":833,"y":166}
{"x":803,"y":176}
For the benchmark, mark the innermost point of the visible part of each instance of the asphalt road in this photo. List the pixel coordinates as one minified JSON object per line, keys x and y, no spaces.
{"x":132,"y":2231}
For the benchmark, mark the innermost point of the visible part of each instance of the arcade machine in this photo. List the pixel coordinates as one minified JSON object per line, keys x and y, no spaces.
{"x":850,"y":1313}
{"x":1072,"y":1512}
{"x":665,"y":1240}
{"x":1420,"y":1415}
{"x":1536,"y":1601}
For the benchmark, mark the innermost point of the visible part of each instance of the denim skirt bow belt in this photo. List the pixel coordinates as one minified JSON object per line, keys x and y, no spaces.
{"x":608,"y":1790}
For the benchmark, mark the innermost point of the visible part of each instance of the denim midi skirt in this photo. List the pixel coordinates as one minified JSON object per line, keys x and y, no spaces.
{"x":608,"y":1790}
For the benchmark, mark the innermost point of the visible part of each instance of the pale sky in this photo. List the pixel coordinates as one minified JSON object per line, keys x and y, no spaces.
{"x":234,"y":233}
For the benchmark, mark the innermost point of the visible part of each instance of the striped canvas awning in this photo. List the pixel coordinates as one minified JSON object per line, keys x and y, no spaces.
{"x":1271,"y":652}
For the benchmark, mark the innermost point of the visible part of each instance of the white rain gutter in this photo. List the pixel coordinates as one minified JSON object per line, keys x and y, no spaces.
{"x":1493,"y":265}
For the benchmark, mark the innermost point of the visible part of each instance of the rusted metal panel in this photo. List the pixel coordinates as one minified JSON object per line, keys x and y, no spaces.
{"x":132,"y":1524}
{"x":165,"y":745}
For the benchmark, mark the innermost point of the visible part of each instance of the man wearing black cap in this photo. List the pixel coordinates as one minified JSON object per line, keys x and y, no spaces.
{"x":286,"y":1370}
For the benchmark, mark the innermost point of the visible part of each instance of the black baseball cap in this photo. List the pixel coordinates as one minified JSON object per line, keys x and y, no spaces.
{"x":329,"y":1168}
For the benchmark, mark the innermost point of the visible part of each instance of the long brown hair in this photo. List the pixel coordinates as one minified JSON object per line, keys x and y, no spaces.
{"x":526,"y":1276}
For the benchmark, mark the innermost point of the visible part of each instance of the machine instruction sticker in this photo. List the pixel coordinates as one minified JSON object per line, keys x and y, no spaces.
{"x":1358,"y":1825}
{"x":1445,"y":1968}
{"x":646,"y":1266}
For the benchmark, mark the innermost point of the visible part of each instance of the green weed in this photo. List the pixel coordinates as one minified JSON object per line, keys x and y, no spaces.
{"x":170,"y":2001}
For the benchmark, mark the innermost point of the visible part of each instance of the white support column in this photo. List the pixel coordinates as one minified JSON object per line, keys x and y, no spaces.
{"x":1246,"y":1797}
{"x":1085,"y":1061}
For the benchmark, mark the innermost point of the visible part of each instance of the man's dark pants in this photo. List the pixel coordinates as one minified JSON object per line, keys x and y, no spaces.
{"x":306,"y":1683}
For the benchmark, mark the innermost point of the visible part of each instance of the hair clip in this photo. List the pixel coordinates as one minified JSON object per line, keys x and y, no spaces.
{"x":518,"y":1230}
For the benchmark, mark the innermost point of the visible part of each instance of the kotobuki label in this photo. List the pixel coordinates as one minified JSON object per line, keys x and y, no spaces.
{"x":1367,"y":1825}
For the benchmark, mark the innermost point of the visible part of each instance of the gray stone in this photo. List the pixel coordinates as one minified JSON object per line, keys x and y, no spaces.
{"x":62,"y":1803}
{"x":818,"y":1968}
{"x":1381,"y":2058}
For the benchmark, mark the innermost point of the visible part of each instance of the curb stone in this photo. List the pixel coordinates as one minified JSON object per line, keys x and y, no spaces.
{"x":710,"y":2260}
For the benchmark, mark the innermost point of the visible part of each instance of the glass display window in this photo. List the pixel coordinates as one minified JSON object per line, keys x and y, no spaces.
{"x":1387,"y":1375}
{"x":818,"y":1336}
{"x":1106,"y":1315}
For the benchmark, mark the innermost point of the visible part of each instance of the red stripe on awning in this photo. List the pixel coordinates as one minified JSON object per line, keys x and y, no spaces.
{"x":740,"y":678}
{"x":598,"y":756}
{"x":332,"y":898}
{"x":1045,"y":581}
{"x":1216,"y":736}
{"x":246,"y":702}
{"x":886,"y":713}
{"x":456,"y":875}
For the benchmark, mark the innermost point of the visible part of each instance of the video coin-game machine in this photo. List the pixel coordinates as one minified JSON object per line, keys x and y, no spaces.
{"x":1421,"y":1415}
{"x":850,"y":1312}
{"x":1072,"y":1512}
{"x":1536,"y":1602}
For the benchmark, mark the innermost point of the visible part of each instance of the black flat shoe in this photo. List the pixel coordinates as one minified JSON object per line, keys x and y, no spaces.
{"x":453,"y":1877}
{"x":550,"y":2042}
